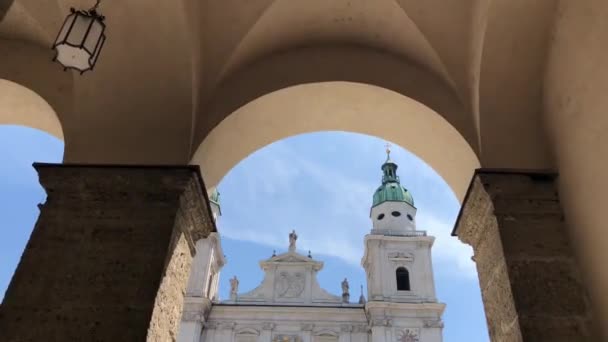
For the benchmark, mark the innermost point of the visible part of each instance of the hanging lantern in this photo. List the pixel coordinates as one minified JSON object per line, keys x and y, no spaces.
{"x":80,"y":39}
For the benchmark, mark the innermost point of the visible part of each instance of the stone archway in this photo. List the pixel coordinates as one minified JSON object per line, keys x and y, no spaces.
{"x":343,"y":106}
{"x":491,"y":203}
{"x":22,"y":106}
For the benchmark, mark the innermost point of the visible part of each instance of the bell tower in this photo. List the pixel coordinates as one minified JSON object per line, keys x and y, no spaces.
{"x":393,"y":210}
{"x":397,"y":262}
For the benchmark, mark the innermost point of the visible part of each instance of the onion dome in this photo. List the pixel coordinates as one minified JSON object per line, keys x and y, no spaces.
{"x":391,"y":189}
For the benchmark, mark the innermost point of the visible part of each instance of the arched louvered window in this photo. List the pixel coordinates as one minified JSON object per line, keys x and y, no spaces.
{"x":403,"y":279}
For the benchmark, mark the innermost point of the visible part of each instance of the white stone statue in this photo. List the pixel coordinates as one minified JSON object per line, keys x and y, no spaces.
{"x":345,"y":286}
{"x":234,"y":287}
{"x":292,"y":241}
{"x":345,"y":293}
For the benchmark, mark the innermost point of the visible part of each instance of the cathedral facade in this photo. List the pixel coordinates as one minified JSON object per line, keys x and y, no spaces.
{"x":290,"y":306}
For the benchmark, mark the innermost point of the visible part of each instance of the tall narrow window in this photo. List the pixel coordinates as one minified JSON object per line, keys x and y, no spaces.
{"x":403,"y":279}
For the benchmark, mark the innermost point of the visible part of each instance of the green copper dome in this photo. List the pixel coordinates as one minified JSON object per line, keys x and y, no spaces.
{"x":391,"y":190}
{"x":215,"y":197}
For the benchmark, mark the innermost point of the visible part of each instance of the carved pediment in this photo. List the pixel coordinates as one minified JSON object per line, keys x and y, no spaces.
{"x":290,"y":284}
{"x":289,"y":278}
{"x":291,"y":257}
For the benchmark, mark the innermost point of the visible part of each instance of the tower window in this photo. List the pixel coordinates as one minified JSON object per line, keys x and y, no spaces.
{"x":410,"y":217}
{"x":396,"y":213}
{"x":403,"y":279}
{"x":380,"y":217}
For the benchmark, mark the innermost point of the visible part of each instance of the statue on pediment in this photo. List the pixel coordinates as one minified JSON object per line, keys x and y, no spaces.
{"x":345,"y":287}
{"x":292,"y":240}
{"x":234,"y":287}
{"x":345,"y":291}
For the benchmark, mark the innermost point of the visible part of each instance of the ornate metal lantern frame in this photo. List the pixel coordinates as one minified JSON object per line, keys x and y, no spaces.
{"x":80,"y":40}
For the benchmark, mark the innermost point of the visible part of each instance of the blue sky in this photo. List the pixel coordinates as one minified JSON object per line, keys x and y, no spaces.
{"x":320,"y":184}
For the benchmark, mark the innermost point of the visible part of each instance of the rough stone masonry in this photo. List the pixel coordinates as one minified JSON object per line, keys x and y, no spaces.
{"x":530,"y":281}
{"x":109,"y":257}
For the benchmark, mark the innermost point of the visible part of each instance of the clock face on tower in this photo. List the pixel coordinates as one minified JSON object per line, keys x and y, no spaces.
{"x":408,"y":335}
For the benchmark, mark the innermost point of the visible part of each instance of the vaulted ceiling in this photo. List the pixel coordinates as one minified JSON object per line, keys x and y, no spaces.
{"x":172,"y":70}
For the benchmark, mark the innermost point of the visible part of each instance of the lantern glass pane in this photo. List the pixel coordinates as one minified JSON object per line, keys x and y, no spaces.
{"x":65,"y":28}
{"x":93,"y":60}
{"x":93,"y":37}
{"x":73,"y":57}
{"x":79,"y":30}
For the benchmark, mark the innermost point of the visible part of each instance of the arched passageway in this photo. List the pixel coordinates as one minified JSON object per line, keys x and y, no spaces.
{"x":344,"y":106}
{"x":22,"y":106}
{"x":30,"y":131}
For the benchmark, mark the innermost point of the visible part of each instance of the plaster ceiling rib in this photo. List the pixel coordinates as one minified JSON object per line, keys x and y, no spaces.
{"x":192,"y":13}
{"x":442,"y":71}
{"x":447,"y":26}
{"x":381,"y":25}
{"x":234,"y":51}
{"x":479,"y":25}
{"x":18,"y":24}
{"x":221,"y":42}
{"x":510,"y":83}
{"x":43,"y":17}
{"x":5,"y":5}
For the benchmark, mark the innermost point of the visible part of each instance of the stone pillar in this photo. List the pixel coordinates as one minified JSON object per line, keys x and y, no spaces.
{"x":345,"y":333}
{"x":306,"y":332}
{"x":190,"y":331}
{"x":379,"y":328}
{"x":194,"y":317}
{"x":109,"y":256}
{"x":530,"y":282}
{"x":206,"y":267}
{"x":266,"y":333}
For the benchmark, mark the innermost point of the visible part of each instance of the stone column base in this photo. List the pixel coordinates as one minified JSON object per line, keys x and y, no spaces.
{"x":109,"y":257}
{"x":530,"y":282}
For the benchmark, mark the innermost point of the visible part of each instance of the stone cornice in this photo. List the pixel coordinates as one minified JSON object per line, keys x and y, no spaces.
{"x":432,"y":307}
{"x":75,"y":184}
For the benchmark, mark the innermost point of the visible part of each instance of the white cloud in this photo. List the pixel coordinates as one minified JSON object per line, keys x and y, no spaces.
{"x":338,"y":227}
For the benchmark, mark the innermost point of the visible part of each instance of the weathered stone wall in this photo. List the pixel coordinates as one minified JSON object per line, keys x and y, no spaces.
{"x":109,"y":254}
{"x":170,"y":297}
{"x":529,"y":278}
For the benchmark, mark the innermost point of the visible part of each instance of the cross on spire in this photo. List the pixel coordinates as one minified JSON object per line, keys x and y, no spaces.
{"x":388,"y":148}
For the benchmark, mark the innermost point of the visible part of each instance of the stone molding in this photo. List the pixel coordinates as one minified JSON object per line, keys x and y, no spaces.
{"x":401,"y":256}
{"x":307,"y":327}
{"x":210,"y":325}
{"x":192,"y":316}
{"x":346,"y":328}
{"x":226,"y":325}
{"x":361,"y":328}
{"x":196,"y":311}
{"x":268,"y":326}
{"x":434,"y":323}
{"x":381,"y":322}
{"x":199,"y":219}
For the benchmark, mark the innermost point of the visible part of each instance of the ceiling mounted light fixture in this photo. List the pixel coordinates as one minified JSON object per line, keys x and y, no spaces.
{"x":80,"y":39}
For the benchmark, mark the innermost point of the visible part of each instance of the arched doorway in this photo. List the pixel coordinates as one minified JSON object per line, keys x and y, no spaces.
{"x":321,"y":184}
{"x":29,"y":132}
{"x":22,"y":106}
{"x":344,"y":106}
